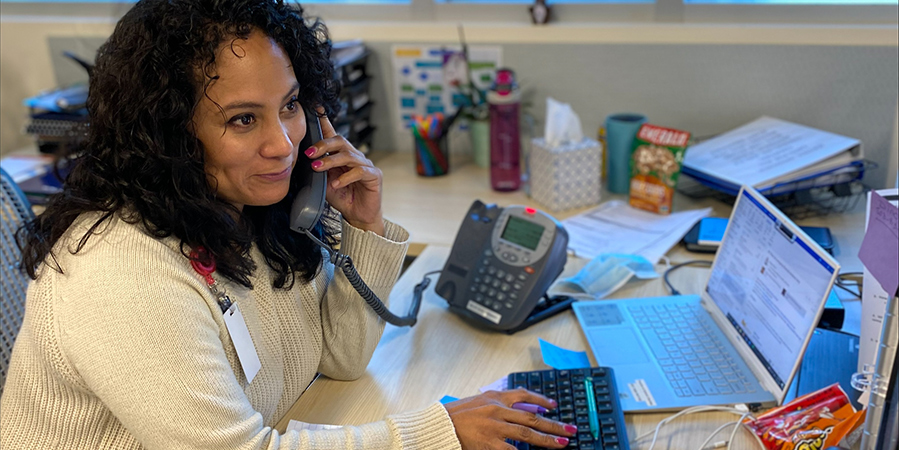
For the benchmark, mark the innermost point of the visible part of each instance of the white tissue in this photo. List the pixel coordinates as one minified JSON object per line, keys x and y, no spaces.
{"x":562,"y":125}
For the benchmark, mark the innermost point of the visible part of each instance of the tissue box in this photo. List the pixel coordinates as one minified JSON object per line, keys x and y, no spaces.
{"x":566,"y":176}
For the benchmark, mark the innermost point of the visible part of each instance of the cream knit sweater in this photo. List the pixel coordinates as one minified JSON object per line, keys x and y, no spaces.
{"x":127,"y":349}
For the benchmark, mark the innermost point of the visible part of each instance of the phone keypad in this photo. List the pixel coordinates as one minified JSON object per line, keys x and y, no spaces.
{"x":495,"y":288}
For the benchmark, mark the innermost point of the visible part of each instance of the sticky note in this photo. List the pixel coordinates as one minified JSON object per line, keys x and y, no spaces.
{"x":878,"y":251}
{"x":561,"y":358}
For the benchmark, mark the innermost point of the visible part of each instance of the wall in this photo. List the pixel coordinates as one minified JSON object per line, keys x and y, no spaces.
{"x":702,"y":78}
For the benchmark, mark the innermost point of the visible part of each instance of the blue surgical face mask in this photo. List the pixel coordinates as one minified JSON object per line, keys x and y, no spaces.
{"x":608,"y":272}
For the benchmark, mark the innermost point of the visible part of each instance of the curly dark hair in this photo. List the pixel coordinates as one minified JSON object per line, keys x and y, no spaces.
{"x":141,"y":160}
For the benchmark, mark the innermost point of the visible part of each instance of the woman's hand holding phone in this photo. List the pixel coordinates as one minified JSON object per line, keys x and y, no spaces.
{"x":354,"y":183}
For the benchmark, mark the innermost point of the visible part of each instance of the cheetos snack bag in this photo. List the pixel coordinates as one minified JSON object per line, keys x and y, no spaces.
{"x":815,"y":421}
{"x":656,"y":159}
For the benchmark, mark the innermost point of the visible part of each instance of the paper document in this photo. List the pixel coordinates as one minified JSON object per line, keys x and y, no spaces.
{"x":498,"y":385}
{"x":878,"y":251}
{"x":421,"y":86}
{"x":769,"y":151}
{"x":615,"y":227}
{"x":297,"y":425}
{"x":874,"y":300}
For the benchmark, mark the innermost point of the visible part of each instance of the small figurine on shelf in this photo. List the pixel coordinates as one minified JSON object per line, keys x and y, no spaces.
{"x":540,"y":12}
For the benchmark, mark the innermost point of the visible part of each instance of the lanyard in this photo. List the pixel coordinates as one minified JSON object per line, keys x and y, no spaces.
{"x":205,"y":265}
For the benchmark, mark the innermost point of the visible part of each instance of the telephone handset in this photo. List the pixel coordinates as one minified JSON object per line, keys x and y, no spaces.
{"x":307,"y":209}
{"x":310,"y":200}
{"x":502,"y":263}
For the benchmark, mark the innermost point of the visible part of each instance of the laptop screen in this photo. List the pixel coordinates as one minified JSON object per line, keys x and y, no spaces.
{"x":769,"y":284}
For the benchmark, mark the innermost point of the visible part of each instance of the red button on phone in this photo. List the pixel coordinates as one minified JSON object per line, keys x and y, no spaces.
{"x":529,"y":270}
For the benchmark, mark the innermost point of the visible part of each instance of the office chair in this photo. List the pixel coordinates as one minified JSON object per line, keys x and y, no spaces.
{"x":15,"y":211}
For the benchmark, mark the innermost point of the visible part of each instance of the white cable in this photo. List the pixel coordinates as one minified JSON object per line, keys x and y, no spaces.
{"x":734,"y":432}
{"x":714,"y":433}
{"x":691,"y":410}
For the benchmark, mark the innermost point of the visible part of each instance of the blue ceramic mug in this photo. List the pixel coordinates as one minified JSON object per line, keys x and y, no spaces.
{"x":620,"y":132}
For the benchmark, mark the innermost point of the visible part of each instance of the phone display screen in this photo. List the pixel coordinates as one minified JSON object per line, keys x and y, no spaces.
{"x":522,"y":232}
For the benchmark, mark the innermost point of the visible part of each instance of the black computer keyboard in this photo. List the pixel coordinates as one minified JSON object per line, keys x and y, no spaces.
{"x":567,"y":388}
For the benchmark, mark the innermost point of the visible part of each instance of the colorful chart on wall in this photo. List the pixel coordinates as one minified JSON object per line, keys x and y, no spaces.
{"x":423,"y":73}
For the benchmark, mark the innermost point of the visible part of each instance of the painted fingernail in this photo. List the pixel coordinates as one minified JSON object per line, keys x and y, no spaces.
{"x":310,"y":151}
{"x":316,"y":164}
{"x":562,"y":441}
{"x":571,"y":429}
{"x":553,"y":403}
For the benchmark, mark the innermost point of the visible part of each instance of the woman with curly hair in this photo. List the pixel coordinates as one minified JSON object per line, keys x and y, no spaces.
{"x":184,"y":190}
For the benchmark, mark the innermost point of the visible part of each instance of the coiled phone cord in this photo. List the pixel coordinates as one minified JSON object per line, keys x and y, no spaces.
{"x":346,"y":265}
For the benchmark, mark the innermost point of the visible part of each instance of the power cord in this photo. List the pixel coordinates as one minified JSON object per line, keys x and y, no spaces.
{"x":727,"y":443}
{"x":743,"y":413}
{"x":850,"y":279}
{"x":698,"y":262}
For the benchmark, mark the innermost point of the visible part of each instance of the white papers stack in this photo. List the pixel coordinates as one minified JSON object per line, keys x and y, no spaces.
{"x":615,"y":227}
{"x":771,"y":154}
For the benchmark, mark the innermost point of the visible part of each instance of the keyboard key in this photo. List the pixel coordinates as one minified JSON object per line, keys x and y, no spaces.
{"x":695,"y":386}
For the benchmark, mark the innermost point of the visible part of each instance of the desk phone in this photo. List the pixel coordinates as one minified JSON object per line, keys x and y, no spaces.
{"x":502,"y":262}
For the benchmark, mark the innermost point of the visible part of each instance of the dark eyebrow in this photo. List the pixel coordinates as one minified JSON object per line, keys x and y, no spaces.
{"x":254,"y":105}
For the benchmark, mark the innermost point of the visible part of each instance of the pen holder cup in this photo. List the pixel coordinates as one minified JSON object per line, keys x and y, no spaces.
{"x":432,"y":155}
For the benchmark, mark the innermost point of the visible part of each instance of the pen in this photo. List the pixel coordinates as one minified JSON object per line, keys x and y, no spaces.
{"x":528,"y":407}
{"x":592,"y":408}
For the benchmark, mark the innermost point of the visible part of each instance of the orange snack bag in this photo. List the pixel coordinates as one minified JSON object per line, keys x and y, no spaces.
{"x":656,"y":159}
{"x":814,"y":421}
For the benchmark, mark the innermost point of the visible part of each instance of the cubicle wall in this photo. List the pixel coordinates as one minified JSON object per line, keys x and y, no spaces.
{"x":702,"y":87}
{"x":705,"y":89}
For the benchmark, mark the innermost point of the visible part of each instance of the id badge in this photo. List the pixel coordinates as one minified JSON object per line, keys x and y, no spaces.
{"x":240,"y":336}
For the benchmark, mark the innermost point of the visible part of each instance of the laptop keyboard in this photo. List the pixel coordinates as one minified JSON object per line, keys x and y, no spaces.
{"x":694,"y":360}
{"x":567,"y":388}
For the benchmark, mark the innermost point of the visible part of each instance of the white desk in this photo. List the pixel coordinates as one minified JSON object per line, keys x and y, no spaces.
{"x":442,"y":355}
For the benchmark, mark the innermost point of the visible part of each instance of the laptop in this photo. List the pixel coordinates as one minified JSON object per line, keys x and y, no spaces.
{"x":740,"y":341}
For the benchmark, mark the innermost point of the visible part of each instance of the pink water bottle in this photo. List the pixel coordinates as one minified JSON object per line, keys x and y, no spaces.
{"x":503,"y":100}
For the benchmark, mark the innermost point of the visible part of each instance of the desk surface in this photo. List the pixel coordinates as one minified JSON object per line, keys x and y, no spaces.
{"x":432,"y":209}
{"x":442,"y":355}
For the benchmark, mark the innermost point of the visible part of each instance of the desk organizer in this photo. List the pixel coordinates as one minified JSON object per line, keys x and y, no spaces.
{"x":566,"y":176}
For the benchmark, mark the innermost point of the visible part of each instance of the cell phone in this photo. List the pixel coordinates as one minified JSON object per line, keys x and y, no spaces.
{"x":706,"y":235}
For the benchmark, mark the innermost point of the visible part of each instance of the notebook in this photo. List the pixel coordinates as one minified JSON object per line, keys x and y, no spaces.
{"x":740,"y":341}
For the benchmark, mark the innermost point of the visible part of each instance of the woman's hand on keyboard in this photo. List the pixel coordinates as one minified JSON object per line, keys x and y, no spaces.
{"x":486,"y":421}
